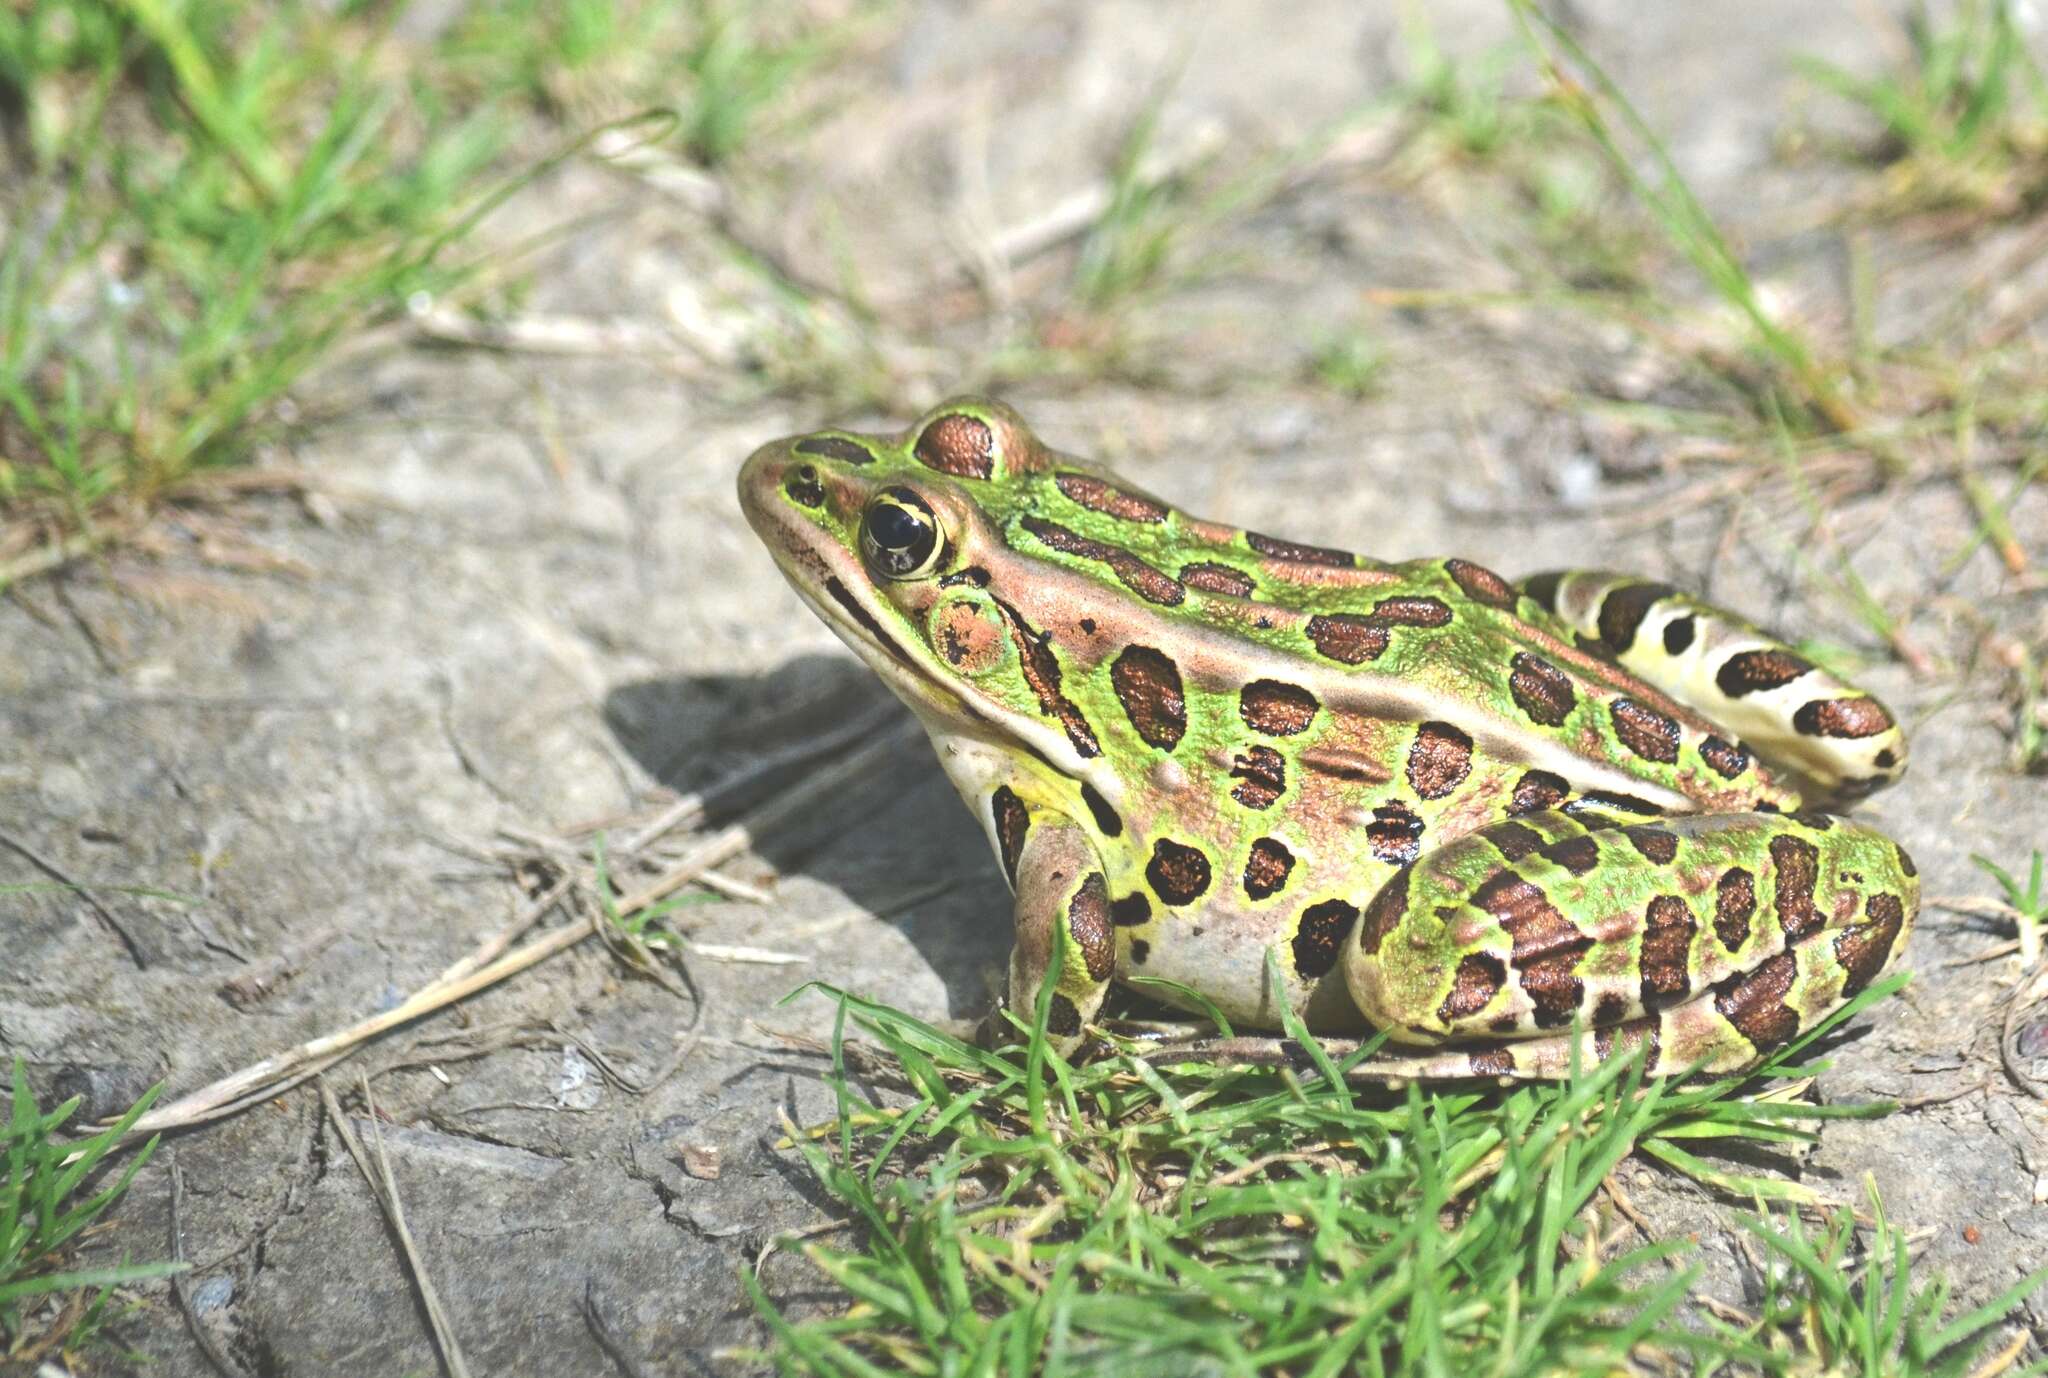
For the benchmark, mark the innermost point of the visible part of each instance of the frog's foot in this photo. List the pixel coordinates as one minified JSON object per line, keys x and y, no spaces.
{"x":1713,"y":937}
{"x":1060,"y":887}
{"x":1710,"y":660}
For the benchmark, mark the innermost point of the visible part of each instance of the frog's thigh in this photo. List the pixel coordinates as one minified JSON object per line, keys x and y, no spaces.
{"x":1712,"y":660}
{"x":1061,"y":888}
{"x":1718,"y":935}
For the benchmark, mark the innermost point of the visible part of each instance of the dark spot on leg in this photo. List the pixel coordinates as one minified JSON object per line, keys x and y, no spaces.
{"x":1413,"y":611}
{"x":1266,"y":870}
{"x":1321,"y":936}
{"x":1623,"y":610}
{"x":1885,"y":759}
{"x":1536,"y":791}
{"x":1348,"y":638}
{"x":1513,"y":840}
{"x":1276,"y":709}
{"x":1063,"y":1020}
{"x":960,"y":445}
{"x":1734,"y":906}
{"x":1506,"y":1024}
{"x":1130,"y":911}
{"x":1645,"y":731}
{"x":834,"y":447}
{"x":1842,"y":718}
{"x":1211,"y":577}
{"x":1261,"y":774}
{"x":1479,"y":977}
{"x":1300,"y":554}
{"x":1727,"y":759}
{"x":1541,"y":690}
{"x":1754,"y":1002}
{"x":1439,"y":760}
{"x":1147,"y":684}
{"x":1089,"y":926}
{"x":1384,"y":914}
{"x":1608,"y":799}
{"x":1809,"y":818}
{"x":1481,"y":584}
{"x":1865,"y":948}
{"x":1547,"y":948}
{"x":1678,"y":634}
{"x":1579,"y":855}
{"x":1905,"y":861}
{"x":1106,"y":819}
{"x":1013,"y":821}
{"x":1750,"y":672}
{"x":1797,"y":871}
{"x":1611,"y":1010}
{"x":1099,"y":496}
{"x":1655,"y":844}
{"x":1179,"y":874}
{"x":1493,"y":1062}
{"x":1667,"y":951}
{"x":1395,"y":833}
{"x":1141,"y":951}
{"x":1542,"y":588}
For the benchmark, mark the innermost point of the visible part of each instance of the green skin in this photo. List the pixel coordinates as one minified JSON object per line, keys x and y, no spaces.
{"x":1474,"y":815}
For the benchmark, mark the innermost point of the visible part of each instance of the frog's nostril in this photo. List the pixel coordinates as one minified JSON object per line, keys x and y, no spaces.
{"x":803,"y":486}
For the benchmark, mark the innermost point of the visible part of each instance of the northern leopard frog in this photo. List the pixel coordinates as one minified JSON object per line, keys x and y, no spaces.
{"x":1464,"y":811}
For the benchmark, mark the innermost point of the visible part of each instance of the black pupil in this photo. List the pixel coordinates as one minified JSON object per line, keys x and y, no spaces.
{"x":897,"y":528}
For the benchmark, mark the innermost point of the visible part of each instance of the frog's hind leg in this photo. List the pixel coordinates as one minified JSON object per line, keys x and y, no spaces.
{"x":1838,"y":736}
{"x":1712,"y":937}
{"x":1053,"y":867}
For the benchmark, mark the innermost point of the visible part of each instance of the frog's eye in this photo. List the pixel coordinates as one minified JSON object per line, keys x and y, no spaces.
{"x":900,"y":536}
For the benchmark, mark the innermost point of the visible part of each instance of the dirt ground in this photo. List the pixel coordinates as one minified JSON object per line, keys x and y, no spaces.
{"x":525,"y":597}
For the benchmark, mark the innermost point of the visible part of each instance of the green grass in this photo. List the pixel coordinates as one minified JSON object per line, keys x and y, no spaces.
{"x":1964,"y":115}
{"x":2028,"y":902}
{"x":51,"y":1193}
{"x":1014,"y":1213}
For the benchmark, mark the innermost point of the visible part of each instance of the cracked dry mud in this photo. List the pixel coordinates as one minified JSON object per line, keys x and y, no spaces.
{"x":540,"y":605}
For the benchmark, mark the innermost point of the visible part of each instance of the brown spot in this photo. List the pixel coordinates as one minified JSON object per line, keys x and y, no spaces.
{"x":1679,"y":633}
{"x":1276,"y":709}
{"x":1905,"y":861}
{"x":1130,"y":911}
{"x":1734,"y":907}
{"x":1042,"y":674}
{"x":1493,"y":1062}
{"x":1300,"y":554}
{"x":1654,"y":843}
{"x":1579,"y":855}
{"x":1179,"y":874}
{"x":1347,"y":637}
{"x":1632,"y":1034}
{"x":1645,"y":731}
{"x":1064,"y":1018}
{"x":1623,"y":610}
{"x":1547,"y":949}
{"x":1513,"y":840}
{"x":1266,"y":870}
{"x":1842,"y":718}
{"x":1797,"y":864}
{"x":1141,"y":952}
{"x":1106,"y":820}
{"x":834,"y":447}
{"x":1013,"y":821}
{"x":1727,"y":759}
{"x":1479,"y":977}
{"x":957,"y":444}
{"x":1864,"y":949}
{"x":1536,"y":791}
{"x":1481,"y":584}
{"x":803,"y":487}
{"x":1137,"y":576}
{"x":1384,"y":914}
{"x":1211,"y":577}
{"x":1667,"y":951}
{"x":1147,"y":684}
{"x":968,"y":639}
{"x":1261,"y":774}
{"x":1506,"y":1024}
{"x":1413,"y":611}
{"x":1395,"y":833}
{"x":1439,"y":760}
{"x":1610,"y":1010}
{"x":1089,"y":925}
{"x":1750,"y":672}
{"x":1541,"y":690}
{"x":1321,"y":936}
{"x":1098,"y":495}
{"x":1754,"y":1002}
{"x":1811,"y":818}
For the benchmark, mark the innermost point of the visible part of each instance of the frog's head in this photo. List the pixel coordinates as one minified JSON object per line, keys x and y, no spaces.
{"x":918,"y":551}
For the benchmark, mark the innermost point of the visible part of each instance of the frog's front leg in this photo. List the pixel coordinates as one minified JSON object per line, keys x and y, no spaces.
{"x":1715,"y":937}
{"x":1708,"y":659}
{"x":1060,"y":886}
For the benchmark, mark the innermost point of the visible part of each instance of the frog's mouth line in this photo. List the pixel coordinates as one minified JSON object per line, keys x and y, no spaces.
{"x":845,"y":599}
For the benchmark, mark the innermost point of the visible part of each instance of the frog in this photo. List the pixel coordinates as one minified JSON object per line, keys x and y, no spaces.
{"x":1501,"y":829}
